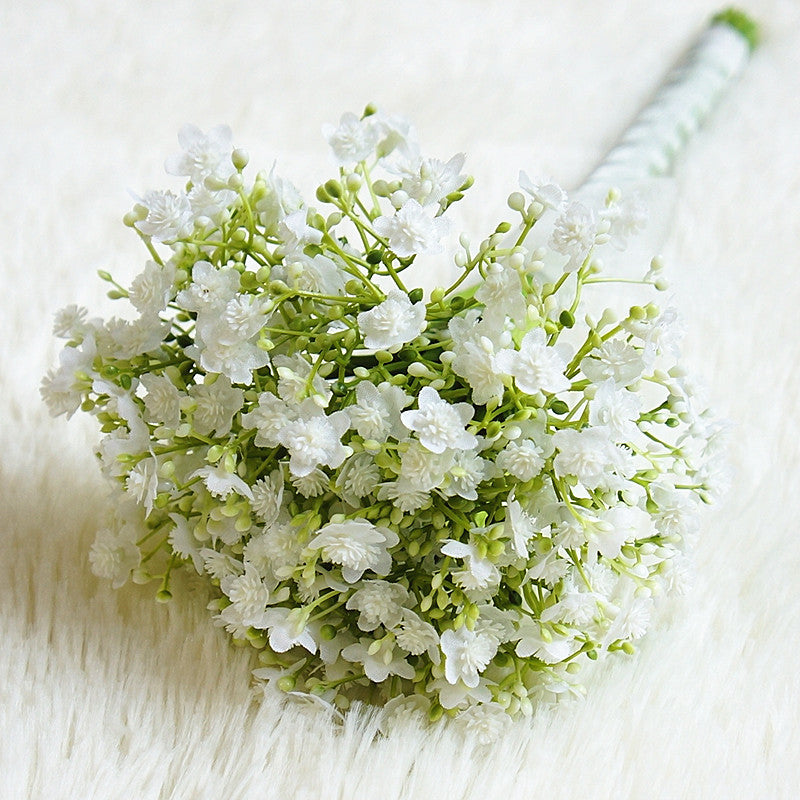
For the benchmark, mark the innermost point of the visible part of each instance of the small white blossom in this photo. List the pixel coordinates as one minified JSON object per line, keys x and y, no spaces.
{"x":70,"y":322}
{"x":267,"y":498}
{"x":519,"y":526}
{"x":163,"y":400}
{"x":522,"y":458}
{"x":536,"y":366}
{"x":589,"y":455}
{"x":501,"y":293}
{"x":439,"y":424}
{"x":184,"y":543}
{"x":287,"y":629}
{"x":479,"y":574}
{"x":169,"y":216}
{"x":210,"y":289}
{"x":429,"y":180}
{"x":392,"y":323}
{"x":467,"y":654}
{"x":379,"y":603}
{"x":416,"y":636}
{"x":293,"y":380}
{"x":216,"y":404}
{"x":380,"y":665}
{"x":113,"y":556}
{"x":546,"y":193}
{"x":353,"y":140}
{"x":574,"y":235}
{"x":204,"y":154}
{"x":412,"y":230}
{"x":614,"y":359}
{"x":222,"y":483}
{"x":376,"y":412}
{"x":269,"y":418}
{"x":356,"y":545}
{"x":552,"y":648}
{"x":314,"y":439}
{"x":475,"y":362}
{"x":618,"y":410}
{"x":483,"y":722}
{"x":151,"y":290}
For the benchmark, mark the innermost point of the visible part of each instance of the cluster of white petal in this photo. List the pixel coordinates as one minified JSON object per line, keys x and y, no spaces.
{"x":447,"y":504}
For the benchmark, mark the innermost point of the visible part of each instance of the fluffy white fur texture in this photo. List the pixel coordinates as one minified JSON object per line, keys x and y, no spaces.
{"x":107,"y":695}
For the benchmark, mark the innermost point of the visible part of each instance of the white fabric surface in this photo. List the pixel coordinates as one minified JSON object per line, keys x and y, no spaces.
{"x":106,"y":694}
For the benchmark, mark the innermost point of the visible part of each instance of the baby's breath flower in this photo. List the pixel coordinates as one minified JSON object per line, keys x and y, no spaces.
{"x":455,"y":499}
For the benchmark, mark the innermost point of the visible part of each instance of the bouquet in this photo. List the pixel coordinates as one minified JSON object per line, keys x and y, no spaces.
{"x":450,"y":503}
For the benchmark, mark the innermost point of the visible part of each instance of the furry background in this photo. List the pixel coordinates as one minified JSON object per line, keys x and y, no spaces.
{"x":107,"y":695}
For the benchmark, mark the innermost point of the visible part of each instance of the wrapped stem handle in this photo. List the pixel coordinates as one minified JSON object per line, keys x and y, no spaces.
{"x":651,"y":144}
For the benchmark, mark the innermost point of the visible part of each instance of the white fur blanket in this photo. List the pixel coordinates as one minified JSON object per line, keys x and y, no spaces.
{"x":106,"y":694}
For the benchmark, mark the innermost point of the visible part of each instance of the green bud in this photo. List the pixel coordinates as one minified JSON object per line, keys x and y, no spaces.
{"x":559,"y":407}
{"x":503,"y":227}
{"x":628,"y":648}
{"x":383,"y":356}
{"x":287,"y":683}
{"x":415,"y":295}
{"x":637,"y":312}
{"x":163,"y":596}
{"x":413,"y":548}
{"x":327,"y":632}
{"x":496,"y":548}
{"x":566,"y":318}
{"x":116,"y":294}
{"x":333,"y":188}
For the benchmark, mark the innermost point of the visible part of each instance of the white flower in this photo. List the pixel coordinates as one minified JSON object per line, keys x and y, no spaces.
{"x":222,"y":483}
{"x":588,"y":454}
{"x":421,"y":468}
{"x":280,"y":199}
{"x":618,"y":410}
{"x":268,"y":419}
{"x":287,"y":629}
{"x":70,"y":322}
{"x":318,"y":274}
{"x":356,"y":545}
{"x":151,"y":290}
{"x":522,"y":458}
{"x":412,"y":230}
{"x":267,"y":498}
{"x":211,"y":205}
{"x":296,"y":232}
{"x":484,"y":722}
{"x":440,"y":425}
{"x":536,"y":366}
{"x":392,"y":323}
{"x":353,"y":140}
{"x":220,"y":565}
{"x":235,"y":358}
{"x":501,"y":293}
{"x":552,"y":648}
{"x":169,"y":216}
{"x":113,"y":556}
{"x":184,"y":543}
{"x":312,"y":485}
{"x":278,"y":546}
{"x":314,"y":439}
{"x":401,"y":711}
{"x":478,"y":574}
{"x":475,"y":362}
{"x":467,"y":653}
{"x":546,"y":193}
{"x":405,"y":495}
{"x":162,"y":400}
{"x":358,"y":478}
{"x":59,"y":388}
{"x":614,"y":359}
{"x":574,"y":235}
{"x":250,"y":593}
{"x":380,"y":603}
{"x":465,"y":474}
{"x":376,"y":412}
{"x":626,"y":217}
{"x":216,"y":404}
{"x":416,"y":636}
{"x":429,"y":180}
{"x":204,"y":154}
{"x":519,"y":526}
{"x":210,"y":288}
{"x":125,"y":339}
{"x":620,"y":524}
{"x":380,"y":665}
{"x":293,"y":380}
{"x":142,"y":483}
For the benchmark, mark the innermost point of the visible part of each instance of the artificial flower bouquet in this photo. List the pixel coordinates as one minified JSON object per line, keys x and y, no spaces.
{"x":451,"y":503}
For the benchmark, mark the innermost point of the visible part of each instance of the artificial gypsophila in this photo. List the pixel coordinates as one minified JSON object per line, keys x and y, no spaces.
{"x":451,"y":505}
